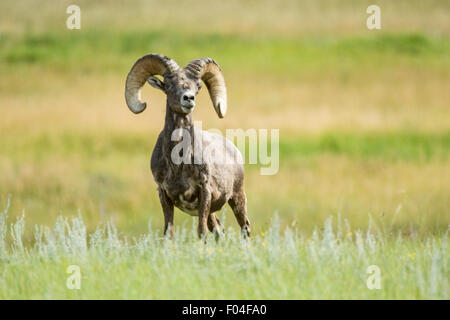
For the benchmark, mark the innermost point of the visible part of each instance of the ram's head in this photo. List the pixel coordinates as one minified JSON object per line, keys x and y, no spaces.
{"x":181,"y":85}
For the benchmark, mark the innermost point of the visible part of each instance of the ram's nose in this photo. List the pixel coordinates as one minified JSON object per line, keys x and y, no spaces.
{"x":188,"y":97}
{"x":188,"y":101}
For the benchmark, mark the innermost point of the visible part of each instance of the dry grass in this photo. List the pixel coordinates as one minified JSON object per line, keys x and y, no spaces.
{"x":250,"y":17}
{"x":398,"y":100}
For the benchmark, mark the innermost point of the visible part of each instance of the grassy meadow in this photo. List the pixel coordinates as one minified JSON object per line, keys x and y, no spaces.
{"x":364,"y":175}
{"x":332,"y":264}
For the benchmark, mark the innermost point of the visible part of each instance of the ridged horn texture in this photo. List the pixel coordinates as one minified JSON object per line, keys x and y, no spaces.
{"x":211,"y":74}
{"x":149,"y":65}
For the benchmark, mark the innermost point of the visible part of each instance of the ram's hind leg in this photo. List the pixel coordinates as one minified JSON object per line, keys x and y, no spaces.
{"x":239,"y":205}
{"x":214,"y":225}
{"x":213,"y":222}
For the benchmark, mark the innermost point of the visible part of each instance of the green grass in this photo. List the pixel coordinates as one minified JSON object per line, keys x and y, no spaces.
{"x":331,"y":264}
{"x":100,"y":50}
{"x":387,"y":146}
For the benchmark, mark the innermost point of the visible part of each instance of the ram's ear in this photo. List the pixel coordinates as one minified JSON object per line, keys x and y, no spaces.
{"x":156,"y":83}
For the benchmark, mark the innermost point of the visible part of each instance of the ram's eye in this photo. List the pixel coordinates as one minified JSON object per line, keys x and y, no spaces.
{"x":199,"y":85}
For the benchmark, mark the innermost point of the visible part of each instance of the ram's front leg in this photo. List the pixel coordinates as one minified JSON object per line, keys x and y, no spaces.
{"x":203,"y":211}
{"x":167,"y":207}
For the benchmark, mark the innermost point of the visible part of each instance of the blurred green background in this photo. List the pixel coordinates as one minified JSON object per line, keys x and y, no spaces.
{"x":363,"y":115}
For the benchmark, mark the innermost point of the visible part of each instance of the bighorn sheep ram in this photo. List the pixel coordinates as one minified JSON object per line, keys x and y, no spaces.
{"x":198,"y":188}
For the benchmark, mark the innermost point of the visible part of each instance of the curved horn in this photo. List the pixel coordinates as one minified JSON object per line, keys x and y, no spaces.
{"x":211,"y":74}
{"x":148,"y":65}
